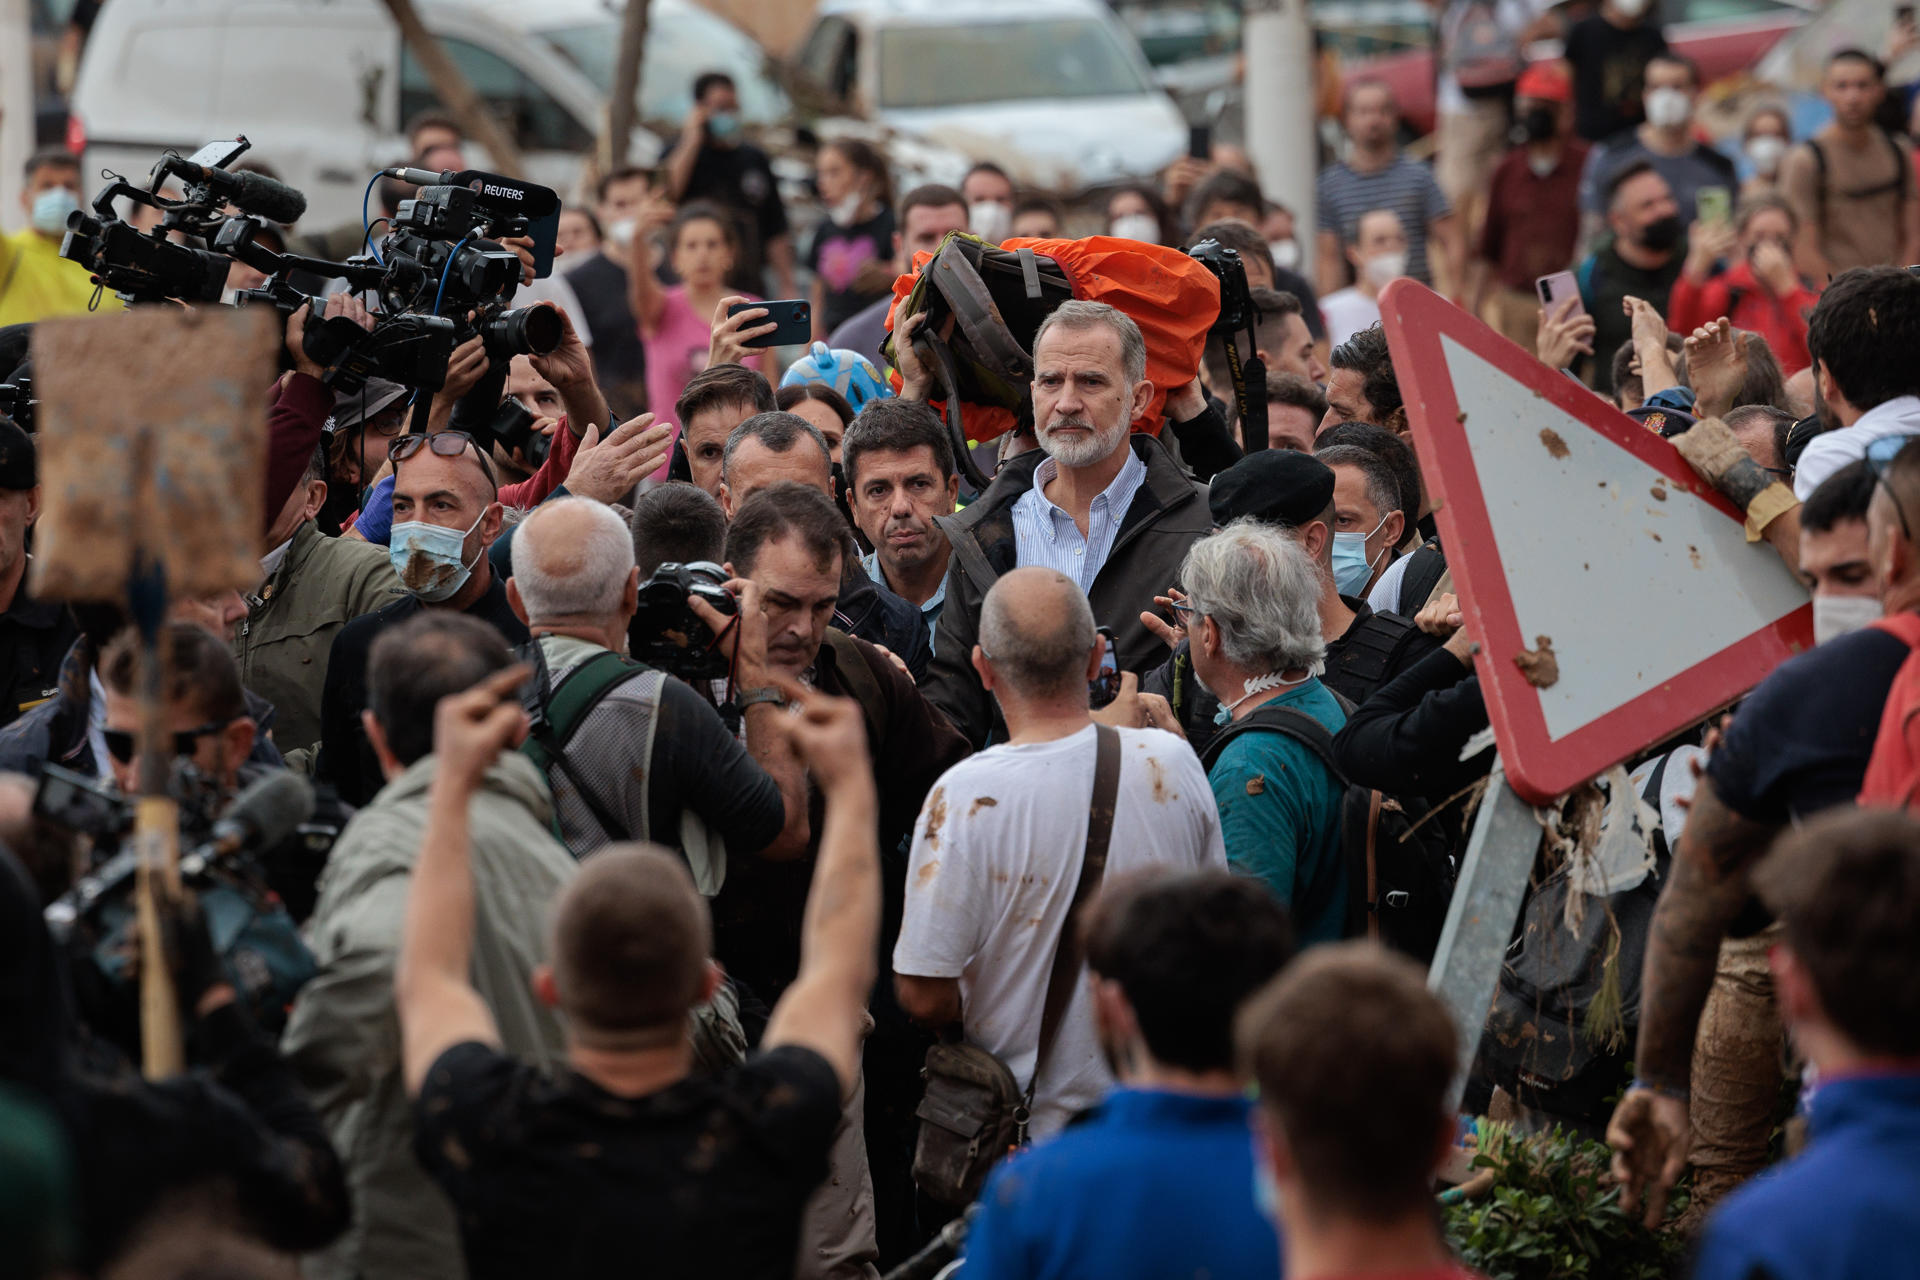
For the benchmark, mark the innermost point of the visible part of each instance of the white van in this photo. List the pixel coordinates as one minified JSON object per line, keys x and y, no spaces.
{"x":323,"y":88}
{"x":1055,"y":90}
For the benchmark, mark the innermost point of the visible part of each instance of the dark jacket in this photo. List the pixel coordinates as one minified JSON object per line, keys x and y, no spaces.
{"x":874,"y":614}
{"x":1407,"y":739}
{"x":56,"y":731}
{"x":1374,"y":648}
{"x":34,"y":638}
{"x":346,"y":758}
{"x":1169,"y":514}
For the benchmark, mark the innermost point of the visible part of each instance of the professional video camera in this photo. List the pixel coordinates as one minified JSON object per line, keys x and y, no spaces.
{"x":1238,"y":315}
{"x":149,"y":266}
{"x":667,"y":633}
{"x":248,"y":925}
{"x":17,"y":402}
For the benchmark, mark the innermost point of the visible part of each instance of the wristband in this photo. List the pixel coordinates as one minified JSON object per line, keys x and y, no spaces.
{"x":1677,"y":1093}
{"x":748,"y":697}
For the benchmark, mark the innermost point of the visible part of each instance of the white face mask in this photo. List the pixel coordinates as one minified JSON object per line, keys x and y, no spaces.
{"x":1630,"y":8}
{"x":990,"y":220}
{"x":1286,"y":253}
{"x":1668,"y":108}
{"x":1837,"y":615}
{"x":620,"y":232}
{"x":1143,"y":227}
{"x":1383,"y":268}
{"x":1766,"y":151}
{"x":1542,"y":165}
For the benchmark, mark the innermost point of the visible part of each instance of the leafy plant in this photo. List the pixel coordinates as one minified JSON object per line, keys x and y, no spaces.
{"x":1553,"y":1212}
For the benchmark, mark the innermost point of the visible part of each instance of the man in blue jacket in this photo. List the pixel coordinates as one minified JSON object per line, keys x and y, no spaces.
{"x":1159,"y":1180}
{"x":1847,"y":888}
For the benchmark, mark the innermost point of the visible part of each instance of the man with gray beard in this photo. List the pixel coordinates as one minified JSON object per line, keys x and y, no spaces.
{"x":1110,"y":510}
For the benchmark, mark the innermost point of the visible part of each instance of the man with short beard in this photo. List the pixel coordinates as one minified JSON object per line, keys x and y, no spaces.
{"x":1112,"y":512}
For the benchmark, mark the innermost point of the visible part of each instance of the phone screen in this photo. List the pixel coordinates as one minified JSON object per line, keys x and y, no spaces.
{"x":1105,"y":687}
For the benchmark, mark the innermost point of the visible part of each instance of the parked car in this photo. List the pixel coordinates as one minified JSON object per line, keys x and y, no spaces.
{"x":1055,"y":90}
{"x":1722,"y":37}
{"x":323,"y":88}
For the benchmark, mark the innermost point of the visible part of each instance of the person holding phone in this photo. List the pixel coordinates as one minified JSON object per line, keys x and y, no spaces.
{"x":1666,"y":141}
{"x":1744,"y":270}
{"x":677,"y":322}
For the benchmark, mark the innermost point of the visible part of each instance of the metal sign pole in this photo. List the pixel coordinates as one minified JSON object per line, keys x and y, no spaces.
{"x":1480,"y":919}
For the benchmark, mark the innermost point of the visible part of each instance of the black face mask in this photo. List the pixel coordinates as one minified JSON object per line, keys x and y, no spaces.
{"x":1540,"y":123}
{"x":1661,"y":235}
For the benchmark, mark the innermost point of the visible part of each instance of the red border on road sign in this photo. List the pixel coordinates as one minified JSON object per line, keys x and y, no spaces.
{"x":1538,"y":767}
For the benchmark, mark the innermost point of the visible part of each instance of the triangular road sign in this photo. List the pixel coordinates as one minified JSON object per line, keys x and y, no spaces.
{"x":1570,"y":527}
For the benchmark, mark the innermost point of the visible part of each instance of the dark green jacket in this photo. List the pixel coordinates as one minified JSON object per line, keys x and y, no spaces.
{"x":283,"y":644}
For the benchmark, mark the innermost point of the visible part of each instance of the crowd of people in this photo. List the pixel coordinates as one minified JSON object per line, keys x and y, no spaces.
{"x":744,"y":843}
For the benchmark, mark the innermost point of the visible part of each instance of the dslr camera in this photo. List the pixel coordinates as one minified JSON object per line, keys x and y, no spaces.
{"x":667,"y":633}
{"x":1238,"y":315}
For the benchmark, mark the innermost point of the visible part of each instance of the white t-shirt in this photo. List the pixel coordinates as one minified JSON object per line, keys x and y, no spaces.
{"x":1347,"y":312}
{"x":1829,"y":452}
{"x":996,"y":855}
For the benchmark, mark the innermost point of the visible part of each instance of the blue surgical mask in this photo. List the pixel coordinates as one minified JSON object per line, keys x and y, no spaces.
{"x":430,"y":558}
{"x":1351,"y":567}
{"x":50,"y":210}
{"x":723,"y":126}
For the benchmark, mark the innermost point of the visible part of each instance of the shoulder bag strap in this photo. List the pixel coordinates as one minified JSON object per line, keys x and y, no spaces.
{"x":1093,"y":865}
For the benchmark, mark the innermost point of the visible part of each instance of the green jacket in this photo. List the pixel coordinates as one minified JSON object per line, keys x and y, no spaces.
{"x":283,"y":644}
{"x":343,"y":1038}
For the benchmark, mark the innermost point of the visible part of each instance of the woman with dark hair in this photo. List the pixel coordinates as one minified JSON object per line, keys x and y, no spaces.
{"x":676,"y":321}
{"x":820,"y":405}
{"x":852,"y":252}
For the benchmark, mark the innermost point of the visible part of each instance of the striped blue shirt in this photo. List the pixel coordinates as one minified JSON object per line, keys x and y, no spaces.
{"x":1046,"y":537}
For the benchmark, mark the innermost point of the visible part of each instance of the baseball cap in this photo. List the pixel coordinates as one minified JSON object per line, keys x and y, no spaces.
{"x":17,"y":469}
{"x":1273,"y":486}
{"x":351,"y":408}
{"x":1545,"y":80}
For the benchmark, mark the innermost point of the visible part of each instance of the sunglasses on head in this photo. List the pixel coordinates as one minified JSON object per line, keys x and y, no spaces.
{"x":120,"y":743}
{"x":447,"y":444}
{"x":1880,"y":458}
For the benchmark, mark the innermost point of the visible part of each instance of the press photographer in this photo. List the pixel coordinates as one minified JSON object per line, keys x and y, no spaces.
{"x":631,"y":752}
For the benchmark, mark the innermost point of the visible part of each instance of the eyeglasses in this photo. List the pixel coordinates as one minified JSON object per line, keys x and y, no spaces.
{"x":1880,"y":458}
{"x":447,"y":444}
{"x":120,"y":743}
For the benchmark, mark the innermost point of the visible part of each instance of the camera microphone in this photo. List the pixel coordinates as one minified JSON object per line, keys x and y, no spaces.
{"x":250,"y":192}
{"x":266,"y":813}
{"x":419,"y":177}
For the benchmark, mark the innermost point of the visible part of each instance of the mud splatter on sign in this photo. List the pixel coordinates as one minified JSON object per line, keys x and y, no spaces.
{"x":1538,"y":665}
{"x":1555,"y":445}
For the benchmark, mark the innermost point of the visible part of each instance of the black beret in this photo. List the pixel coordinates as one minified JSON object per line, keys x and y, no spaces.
{"x":1273,"y":486}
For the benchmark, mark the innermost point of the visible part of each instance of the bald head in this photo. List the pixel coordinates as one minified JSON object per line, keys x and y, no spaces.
{"x":631,"y":940}
{"x":572,"y":558}
{"x":1036,"y":631}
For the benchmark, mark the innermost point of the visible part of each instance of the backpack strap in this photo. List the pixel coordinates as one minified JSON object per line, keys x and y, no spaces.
{"x":1315,"y":737}
{"x":1064,"y":977}
{"x":860,"y":682}
{"x":555,"y":717}
{"x":1425,"y":568}
{"x":1819,"y":182}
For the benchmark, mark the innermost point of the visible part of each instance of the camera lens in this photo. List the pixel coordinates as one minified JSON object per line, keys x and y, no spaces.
{"x":527,"y":331}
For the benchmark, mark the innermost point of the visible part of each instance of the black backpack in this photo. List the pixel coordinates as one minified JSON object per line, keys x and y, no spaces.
{"x":1399,"y":873}
{"x":983,"y":306}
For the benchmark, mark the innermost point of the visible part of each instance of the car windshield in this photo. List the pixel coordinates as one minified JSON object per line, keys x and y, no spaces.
{"x":678,"y":47}
{"x":940,"y":66}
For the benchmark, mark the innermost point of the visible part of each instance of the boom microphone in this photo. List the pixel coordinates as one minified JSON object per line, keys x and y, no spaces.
{"x":419,"y":177}
{"x":263,"y":815}
{"x":254,"y":193}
